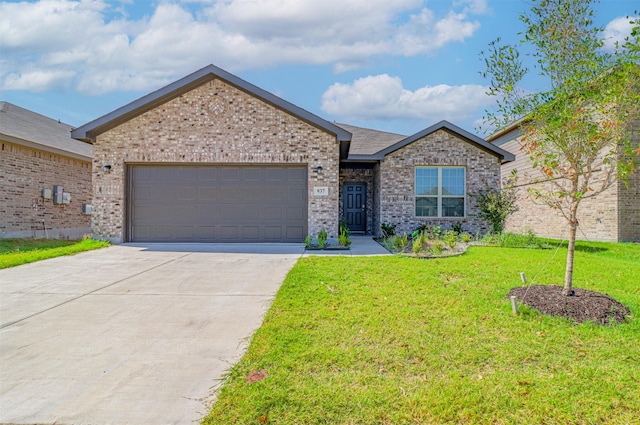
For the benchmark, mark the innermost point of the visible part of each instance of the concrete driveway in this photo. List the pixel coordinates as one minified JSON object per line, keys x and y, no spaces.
{"x":130,"y":334}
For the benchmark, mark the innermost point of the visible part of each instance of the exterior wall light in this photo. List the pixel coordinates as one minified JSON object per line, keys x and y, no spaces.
{"x":319,"y":169}
{"x":106,"y":168}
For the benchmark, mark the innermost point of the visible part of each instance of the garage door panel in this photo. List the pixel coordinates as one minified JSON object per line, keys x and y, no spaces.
{"x":186,"y":193}
{"x":250,"y":233}
{"x":241,"y":203}
{"x":143,"y":193}
{"x":225,"y":233}
{"x":186,"y":232}
{"x":273,"y":233}
{"x":273,"y":213}
{"x":186,"y":214}
{"x":229,"y":193}
{"x":207,"y":233}
{"x":229,"y":174}
{"x":253,"y":174}
{"x":296,"y":232}
{"x":207,"y":193}
{"x":295,"y":174}
{"x":295,"y":214}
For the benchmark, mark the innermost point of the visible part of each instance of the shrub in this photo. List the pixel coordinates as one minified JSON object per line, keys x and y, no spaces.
{"x":450,"y":238}
{"x":322,"y":238}
{"x":343,"y":239}
{"x":417,"y":245}
{"x":437,"y":247}
{"x":388,"y":230}
{"x":307,"y":241}
{"x":457,"y":227}
{"x":435,"y":232}
{"x":497,"y":204}
{"x":465,"y":237}
{"x":344,"y":229}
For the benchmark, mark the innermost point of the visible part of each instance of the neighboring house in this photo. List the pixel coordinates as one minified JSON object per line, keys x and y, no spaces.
{"x":216,"y":159}
{"x":613,"y":215}
{"x":37,"y":154}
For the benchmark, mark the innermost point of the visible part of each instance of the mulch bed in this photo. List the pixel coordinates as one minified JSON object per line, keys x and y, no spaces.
{"x":581,"y":307}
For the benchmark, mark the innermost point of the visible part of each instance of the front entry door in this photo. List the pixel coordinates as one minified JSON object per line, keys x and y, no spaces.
{"x":355,"y":206}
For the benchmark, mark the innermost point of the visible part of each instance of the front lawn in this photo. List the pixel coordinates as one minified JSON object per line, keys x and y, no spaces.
{"x":396,"y":340}
{"x":14,"y":252}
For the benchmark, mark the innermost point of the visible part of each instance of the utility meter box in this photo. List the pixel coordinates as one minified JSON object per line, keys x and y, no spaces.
{"x":46,"y":193}
{"x":87,"y":209}
{"x":66,"y":198}
{"x":57,"y":194}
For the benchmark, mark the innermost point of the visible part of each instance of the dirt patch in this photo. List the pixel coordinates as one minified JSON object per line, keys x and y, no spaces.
{"x":581,"y":307}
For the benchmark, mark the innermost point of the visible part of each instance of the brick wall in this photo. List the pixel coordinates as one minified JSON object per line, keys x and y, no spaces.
{"x":613,"y":215}
{"x":597,"y":217}
{"x":214,"y":123}
{"x":629,"y":206}
{"x":441,"y":148}
{"x":24,"y":172}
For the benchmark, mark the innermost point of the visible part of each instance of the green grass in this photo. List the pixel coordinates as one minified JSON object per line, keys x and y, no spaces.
{"x":14,"y":252}
{"x":396,"y":340}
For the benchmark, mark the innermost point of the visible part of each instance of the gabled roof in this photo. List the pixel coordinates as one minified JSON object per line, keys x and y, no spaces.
{"x":442,"y":125}
{"x":366,"y":141}
{"x":27,"y":128}
{"x":89,"y":131}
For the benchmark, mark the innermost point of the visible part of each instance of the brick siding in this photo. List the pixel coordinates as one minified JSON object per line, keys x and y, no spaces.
{"x":441,"y":148}
{"x":183,"y":130}
{"x":613,"y":215}
{"x":24,"y":172}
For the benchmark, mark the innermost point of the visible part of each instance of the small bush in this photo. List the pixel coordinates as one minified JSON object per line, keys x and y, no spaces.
{"x":343,"y":239}
{"x":437,"y":247}
{"x":417,"y":245}
{"x":400,"y":242}
{"x":450,"y":238}
{"x":496,"y":204}
{"x":457,"y":227}
{"x":307,"y":241}
{"x":388,"y":230}
{"x":322,"y":238}
{"x":465,"y":237}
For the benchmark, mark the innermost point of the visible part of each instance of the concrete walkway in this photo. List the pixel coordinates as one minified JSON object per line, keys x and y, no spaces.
{"x":134,"y":334}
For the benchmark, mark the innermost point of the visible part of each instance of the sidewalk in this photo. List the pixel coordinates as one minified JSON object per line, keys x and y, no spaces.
{"x":360,"y":245}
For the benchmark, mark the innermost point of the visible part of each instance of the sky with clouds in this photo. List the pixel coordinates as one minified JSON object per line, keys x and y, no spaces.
{"x":393,"y":65}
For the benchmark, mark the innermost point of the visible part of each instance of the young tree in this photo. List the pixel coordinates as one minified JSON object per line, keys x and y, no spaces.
{"x":577,"y":132}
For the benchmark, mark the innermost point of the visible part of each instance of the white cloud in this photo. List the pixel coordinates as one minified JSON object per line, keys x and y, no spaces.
{"x":99,"y":50}
{"x":616,"y":31}
{"x":38,"y":80}
{"x":383,"y":97}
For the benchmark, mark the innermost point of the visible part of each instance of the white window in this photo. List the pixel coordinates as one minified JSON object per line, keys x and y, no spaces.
{"x":440,"y":191}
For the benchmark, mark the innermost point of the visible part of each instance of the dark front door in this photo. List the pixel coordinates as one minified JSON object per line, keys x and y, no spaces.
{"x":355,"y":206}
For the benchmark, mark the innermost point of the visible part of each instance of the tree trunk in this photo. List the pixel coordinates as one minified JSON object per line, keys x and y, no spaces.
{"x":568,"y":274}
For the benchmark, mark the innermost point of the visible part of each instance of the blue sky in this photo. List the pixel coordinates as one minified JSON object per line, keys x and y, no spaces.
{"x":392,"y":65}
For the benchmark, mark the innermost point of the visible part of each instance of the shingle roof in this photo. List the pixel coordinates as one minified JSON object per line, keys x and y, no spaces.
{"x":89,"y":131}
{"x":442,"y":125}
{"x":27,"y":128}
{"x":365,"y":141}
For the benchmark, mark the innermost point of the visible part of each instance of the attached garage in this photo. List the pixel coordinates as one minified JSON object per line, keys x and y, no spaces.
{"x":217,"y":203}
{"x":213,"y":158}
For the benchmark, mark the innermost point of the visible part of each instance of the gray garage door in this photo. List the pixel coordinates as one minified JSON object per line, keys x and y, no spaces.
{"x":217,"y":203}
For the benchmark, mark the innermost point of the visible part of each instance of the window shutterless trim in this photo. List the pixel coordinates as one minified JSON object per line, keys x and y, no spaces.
{"x":440,"y":196}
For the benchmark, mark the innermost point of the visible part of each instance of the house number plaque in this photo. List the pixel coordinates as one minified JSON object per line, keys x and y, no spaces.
{"x":321,"y":191}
